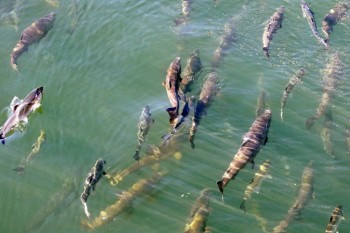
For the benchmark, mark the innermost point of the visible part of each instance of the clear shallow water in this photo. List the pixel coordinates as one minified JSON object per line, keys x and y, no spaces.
{"x":97,"y":80}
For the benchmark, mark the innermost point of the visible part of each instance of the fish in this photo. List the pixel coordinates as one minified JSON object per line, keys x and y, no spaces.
{"x":347,"y":138}
{"x":141,"y":187}
{"x":273,"y":24}
{"x":193,"y":67}
{"x":35,"y":150}
{"x":186,"y":9}
{"x":310,"y":17}
{"x":253,"y":141}
{"x":144,"y":126}
{"x":255,"y":183}
{"x":335,"y":15}
{"x":228,"y":38}
{"x":304,"y":196}
{"x":326,"y":134}
{"x":331,"y":79}
{"x":334,"y":221}
{"x":21,"y":111}
{"x":196,"y":222}
{"x":293,"y":81}
{"x":172,"y":85}
{"x":32,"y":34}
{"x":76,"y":11}
{"x":261,"y":104}
{"x":58,"y":202}
{"x":95,"y":174}
{"x":210,"y":88}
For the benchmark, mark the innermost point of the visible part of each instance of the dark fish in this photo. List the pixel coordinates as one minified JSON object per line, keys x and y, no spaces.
{"x":209,"y":89}
{"x":193,"y":67}
{"x":293,"y":81}
{"x":255,"y":183}
{"x":144,"y":125}
{"x":228,"y":38}
{"x":326,"y":134}
{"x":95,"y":174}
{"x":310,"y":17}
{"x":186,"y":9}
{"x":35,"y":149}
{"x":274,"y":23}
{"x":331,"y":80}
{"x":305,"y":194}
{"x":32,"y":34}
{"x":172,"y":85}
{"x":21,"y":111}
{"x":335,"y":15}
{"x":196,"y":222}
{"x":143,"y":186}
{"x":253,"y":141}
{"x":261,"y":105}
{"x":335,"y":219}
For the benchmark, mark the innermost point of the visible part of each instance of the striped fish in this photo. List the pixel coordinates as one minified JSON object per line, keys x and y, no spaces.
{"x":335,"y":219}
{"x":335,"y":15}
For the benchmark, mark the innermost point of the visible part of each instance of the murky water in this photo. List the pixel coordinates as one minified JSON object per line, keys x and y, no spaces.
{"x":103,"y":61}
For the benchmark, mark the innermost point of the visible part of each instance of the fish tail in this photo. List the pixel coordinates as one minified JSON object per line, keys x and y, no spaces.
{"x":310,"y":122}
{"x":266,"y":52}
{"x":136,"y":155}
{"x":242,"y":206}
{"x":2,"y":138}
{"x":282,"y":114}
{"x":221,"y":185}
{"x":86,"y":210}
{"x":19,"y":169}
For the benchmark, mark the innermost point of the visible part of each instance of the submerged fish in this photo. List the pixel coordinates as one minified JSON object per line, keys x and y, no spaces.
{"x":227,"y":40}
{"x":331,"y":79}
{"x":95,"y":174}
{"x":335,"y":15}
{"x":186,"y":9}
{"x":32,"y":34}
{"x":274,"y":23}
{"x":172,"y":85}
{"x":144,"y":125}
{"x":305,"y":194}
{"x":309,"y":15}
{"x":253,"y":141}
{"x":209,"y":89}
{"x":334,"y":221}
{"x":261,"y":104}
{"x":21,"y":111}
{"x":193,"y":67}
{"x":196,"y":222}
{"x":293,"y":81}
{"x":35,"y":149}
{"x":326,"y":134}
{"x":255,"y":183}
{"x":347,"y":138}
{"x":143,"y":186}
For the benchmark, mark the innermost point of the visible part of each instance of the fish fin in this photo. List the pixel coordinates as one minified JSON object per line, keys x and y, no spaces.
{"x":173,"y":113}
{"x":136,"y":156}
{"x":253,"y":164}
{"x":220,"y":184}
{"x":191,"y":139}
{"x":163,"y":84}
{"x":266,"y":139}
{"x":104,"y":173}
{"x":2,"y":138}
{"x":310,"y":122}
{"x":242,"y":206}
{"x":266,"y":52}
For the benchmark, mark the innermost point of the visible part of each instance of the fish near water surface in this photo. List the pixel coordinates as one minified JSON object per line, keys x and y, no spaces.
{"x":172,"y":85}
{"x":334,"y":221}
{"x":255,"y":183}
{"x":274,"y":23}
{"x":335,"y":15}
{"x":304,"y":196}
{"x":325,"y":133}
{"x":32,"y":34}
{"x":193,"y":67}
{"x":293,"y":81}
{"x":196,"y":222}
{"x":209,"y":89}
{"x":186,"y":9}
{"x":331,"y":80}
{"x":95,"y":174}
{"x":125,"y":201}
{"x":310,"y":17}
{"x":21,"y":111}
{"x":261,"y":104}
{"x":253,"y":141}
{"x":144,"y":125}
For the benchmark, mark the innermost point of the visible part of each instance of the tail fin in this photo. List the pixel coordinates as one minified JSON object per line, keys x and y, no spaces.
{"x":19,"y":169}
{"x":173,"y":114}
{"x":2,"y":138}
{"x":282,"y":114}
{"x":220,"y":184}
{"x":136,"y":155}
{"x":266,"y":52}
{"x":242,"y":206}
{"x":310,"y":122}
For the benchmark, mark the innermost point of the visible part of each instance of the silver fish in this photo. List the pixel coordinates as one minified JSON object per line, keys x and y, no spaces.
{"x":32,"y":34}
{"x":21,"y":111}
{"x":331,"y":79}
{"x":309,"y":15}
{"x":293,"y":81}
{"x":274,"y":23}
{"x":334,"y":221}
{"x":95,"y":174}
{"x":305,"y":194}
{"x":335,"y":15}
{"x":253,"y":141}
{"x":144,"y":125}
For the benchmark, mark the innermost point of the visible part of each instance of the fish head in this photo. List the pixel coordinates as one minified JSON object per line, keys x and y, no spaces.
{"x":99,"y":164}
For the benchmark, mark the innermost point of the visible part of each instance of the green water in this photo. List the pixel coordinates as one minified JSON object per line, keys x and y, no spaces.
{"x":97,"y":80}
